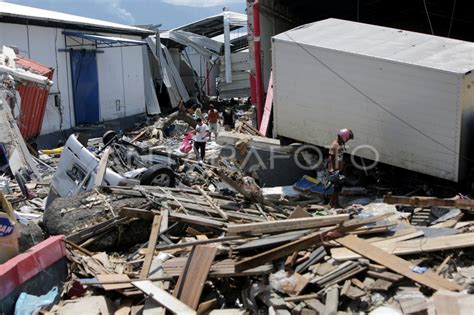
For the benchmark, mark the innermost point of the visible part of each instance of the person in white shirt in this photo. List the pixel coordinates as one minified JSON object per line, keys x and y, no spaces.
{"x":201,"y":133}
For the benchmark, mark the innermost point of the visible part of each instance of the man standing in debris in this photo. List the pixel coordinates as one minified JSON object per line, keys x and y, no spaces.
{"x":213,"y":119}
{"x":201,"y":132}
{"x":336,"y":154}
{"x":228,"y":119}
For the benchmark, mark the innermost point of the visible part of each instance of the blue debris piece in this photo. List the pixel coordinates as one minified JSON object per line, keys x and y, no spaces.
{"x":32,"y":304}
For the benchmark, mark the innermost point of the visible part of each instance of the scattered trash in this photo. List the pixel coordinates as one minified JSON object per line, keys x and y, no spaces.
{"x":30,"y":304}
{"x":419,"y":269}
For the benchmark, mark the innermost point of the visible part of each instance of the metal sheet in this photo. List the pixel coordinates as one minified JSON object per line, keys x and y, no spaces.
{"x":33,"y":99}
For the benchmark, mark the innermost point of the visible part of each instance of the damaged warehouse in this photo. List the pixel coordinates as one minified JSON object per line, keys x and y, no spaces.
{"x":172,"y":194}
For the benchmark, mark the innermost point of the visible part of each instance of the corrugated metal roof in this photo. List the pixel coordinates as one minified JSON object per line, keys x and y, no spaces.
{"x":214,"y":25}
{"x":15,"y":10}
{"x":33,"y":98}
{"x":387,"y":43}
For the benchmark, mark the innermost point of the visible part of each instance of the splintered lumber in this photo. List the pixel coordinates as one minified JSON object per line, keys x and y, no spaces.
{"x":313,"y":239}
{"x":114,"y":281}
{"x":191,"y":281}
{"x":429,"y":202}
{"x":332,"y":301}
{"x":220,"y":269}
{"x":199,"y":242}
{"x":193,"y":219}
{"x":399,"y":265}
{"x":412,"y":246}
{"x":388,"y":276}
{"x":155,"y":231}
{"x":85,"y":234}
{"x":443,"y":264}
{"x":211,"y":203}
{"x":102,"y":168}
{"x":163,"y":297}
{"x":281,"y":226}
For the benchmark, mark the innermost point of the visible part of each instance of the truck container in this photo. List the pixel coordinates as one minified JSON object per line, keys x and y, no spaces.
{"x":408,"y":97}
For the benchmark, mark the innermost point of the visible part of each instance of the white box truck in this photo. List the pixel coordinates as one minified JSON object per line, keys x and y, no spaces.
{"x":408,"y":95}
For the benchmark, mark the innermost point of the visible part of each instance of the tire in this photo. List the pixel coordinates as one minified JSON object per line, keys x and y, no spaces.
{"x":163,"y":177}
{"x":108,"y":136}
{"x":354,"y":176}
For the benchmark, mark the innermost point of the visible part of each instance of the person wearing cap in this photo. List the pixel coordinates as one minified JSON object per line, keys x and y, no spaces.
{"x":336,"y":164}
{"x":213,"y":119}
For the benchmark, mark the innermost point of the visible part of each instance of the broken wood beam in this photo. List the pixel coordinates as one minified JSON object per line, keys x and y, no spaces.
{"x":155,"y":231}
{"x":191,"y":281}
{"x":415,"y":246}
{"x":163,"y":297}
{"x":399,"y":265}
{"x":281,"y":226}
{"x":201,"y":221}
{"x":430,"y":202}
{"x":310,"y":240}
{"x":102,"y":168}
{"x":211,"y":203}
{"x":199,"y":242}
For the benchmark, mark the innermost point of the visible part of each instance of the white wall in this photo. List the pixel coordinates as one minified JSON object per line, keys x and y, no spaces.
{"x":134,"y":80}
{"x":40,"y":44}
{"x":120,"y":72}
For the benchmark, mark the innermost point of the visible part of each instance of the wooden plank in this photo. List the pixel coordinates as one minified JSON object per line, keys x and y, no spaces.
{"x":102,"y":168}
{"x":443,"y":264}
{"x":191,"y":281}
{"x":205,"y":210}
{"x":165,"y":214}
{"x":281,"y":226}
{"x":396,"y":264}
{"x":388,"y":276}
{"x":224,"y":268}
{"x":304,"y":242}
{"x":201,"y":242}
{"x":398,"y":238}
{"x":211,"y":203}
{"x":192,"y":219}
{"x":282,"y":250}
{"x":267,"y":110}
{"x":332,"y":301}
{"x":422,"y":245}
{"x":121,"y":281}
{"x":155,"y":231}
{"x":163,"y":297}
{"x":430,"y":202}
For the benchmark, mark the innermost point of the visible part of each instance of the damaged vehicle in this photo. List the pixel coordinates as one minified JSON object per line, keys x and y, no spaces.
{"x":128,"y":165}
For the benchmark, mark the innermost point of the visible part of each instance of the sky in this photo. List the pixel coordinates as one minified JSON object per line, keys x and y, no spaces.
{"x":169,"y":13}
